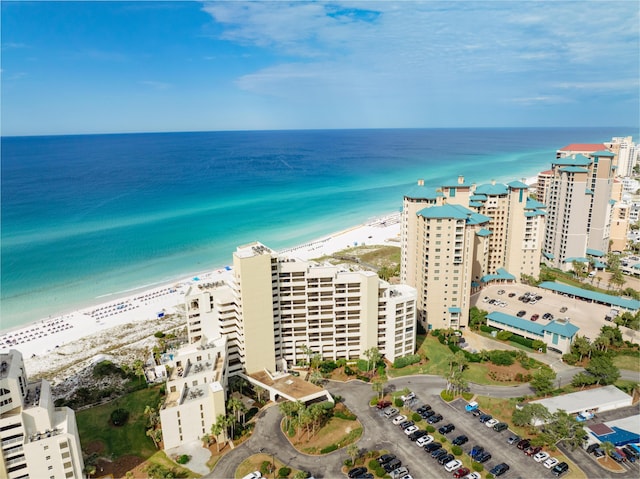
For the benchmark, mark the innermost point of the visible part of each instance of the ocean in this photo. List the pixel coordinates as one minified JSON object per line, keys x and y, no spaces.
{"x":89,"y":217}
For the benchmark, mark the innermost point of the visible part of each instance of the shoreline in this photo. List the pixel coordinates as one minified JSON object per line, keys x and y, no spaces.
{"x":62,"y":345}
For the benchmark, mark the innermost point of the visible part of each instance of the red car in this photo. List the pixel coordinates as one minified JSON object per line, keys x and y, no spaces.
{"x":463,"y":471}
{"x":383,"y":404}
{"x":535,"y":317}
{"x":532,"y":451}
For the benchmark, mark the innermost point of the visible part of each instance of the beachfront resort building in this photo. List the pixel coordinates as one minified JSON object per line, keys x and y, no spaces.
{"x":579,"y":205}
{"x":276,"y":310}
{"x":626,"y":152}
{"x":38,"y":440}
{"x":195,"y":391}
{"x":461,"y":236}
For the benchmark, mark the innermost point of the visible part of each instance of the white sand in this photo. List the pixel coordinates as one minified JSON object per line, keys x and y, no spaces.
{"x":59,"y":347}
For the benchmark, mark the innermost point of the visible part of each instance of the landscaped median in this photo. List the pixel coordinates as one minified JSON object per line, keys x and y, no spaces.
{"x":268,"y":465}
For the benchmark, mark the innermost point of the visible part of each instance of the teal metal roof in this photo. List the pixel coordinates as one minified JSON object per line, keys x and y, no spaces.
{"x":599,"y":265}
{"x":548,"y":255}
{"x":518,"y":185}
{"x":501,"y":273}
{"x":478,"y":219}
{"x":478,"y":197}
{"x":612,"y":202}
{"x":485,"y":232}
{"x":636,"y":266}
{"x":455,"y":310}
{"x":630,"y":304}
{"x":579,"y":160}
{"x":476,"y":204}
{"x":595,"y":252}
{"x":529,"y":214}
{"x":574,"y":169}
{"x":588,"y":192}
{"x":423,"y":192}
{"x":491,"y":190}
{"x":603,"y":153}
{"x":517,"y":323}
{"x":532,"y":204}
{"x":446,"y":211}
{"x":561,"y":327}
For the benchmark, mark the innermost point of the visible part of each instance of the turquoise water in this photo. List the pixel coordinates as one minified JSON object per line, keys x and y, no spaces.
{"x":88,"y":217}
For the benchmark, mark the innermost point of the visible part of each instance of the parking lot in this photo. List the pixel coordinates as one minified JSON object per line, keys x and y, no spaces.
{"x":421,"y":464}
{"x":589,"y":317}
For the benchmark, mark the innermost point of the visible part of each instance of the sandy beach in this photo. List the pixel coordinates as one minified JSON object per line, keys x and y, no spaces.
{"x":59,"y":347}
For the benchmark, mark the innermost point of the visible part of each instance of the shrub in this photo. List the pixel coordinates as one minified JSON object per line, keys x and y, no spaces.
{"x":183,"y":459}
{"x":446,"y":395}
{"x":430,"y":428}
{"x":347,"y":415}
{"x":467,"y":396}
{"x":415,"y":417}
{"x":476,"y":466}
{"x":501,"y":358}
{"x":341,"y":362}
{"x":348,"y":462}
{"x":398,"y":402}
{"x":329,"y":449}
{"x":406,"y":361}
{"x":487,"y":329}
{"x":456,"y":450}
{"x":504,"y":335}
{"x":349,"y":372}
{"x":159,"y":334}
{"x":570,"y":358}
{"x":284,"y":471}
{"x":327,"y":366}
{"x":537,"y":344}
{"x":266,"y":468}
{"x":520,"y":340}
{"x":119,"y":417}
{"x":454,"y":348}
{"x":489,"y":476}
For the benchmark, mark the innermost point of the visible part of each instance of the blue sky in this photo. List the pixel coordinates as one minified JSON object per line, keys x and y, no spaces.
{"x":100,"y":67}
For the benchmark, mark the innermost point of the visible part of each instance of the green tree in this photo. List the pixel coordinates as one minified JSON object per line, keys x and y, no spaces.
{"x":373,"y":356}
{"x":603,"y":369}
{"x":530,"y":415}
{"x":353,"y":450}
{"x":581,"y":346}
{"x":477,"y":317}
{"x":543,"y":381}
{"x":378,"y":387}
{"x":316,"y":377}
{"x":607,"y":447}
{"x":563,"y":427}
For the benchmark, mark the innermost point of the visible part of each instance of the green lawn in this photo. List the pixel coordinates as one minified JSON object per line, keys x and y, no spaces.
{"x":130,"y":439}
{"x":626,"y":362}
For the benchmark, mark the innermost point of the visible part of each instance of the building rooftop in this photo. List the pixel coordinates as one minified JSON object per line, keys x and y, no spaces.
{"x":574,"y":169}
{"x":518,"y":323}
{"x":578,"y":160}
{"x":518,"y":185}
{"x":583,"y":147}
{"x":492,"y":189}
{"x":420,"y":191}
{"x":585,"y":400}
{"x":561,"y":327}
{"x":483,"y":232}
{"x":288,"y":385}
{"x":501,"y":273}
{"x":252,"y":249}
{"x":630,"y":304}
{"x":603,"y":153}
{"x":446,"y":211}
{"x":533,"y":204}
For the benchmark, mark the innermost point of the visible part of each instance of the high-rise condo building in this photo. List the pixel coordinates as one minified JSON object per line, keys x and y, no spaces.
{"x":38,"y":440}
{"x":460,"y":236}
{"x":579,"y":206}
{"x":276,"y":308}
{"x":626,"y":152}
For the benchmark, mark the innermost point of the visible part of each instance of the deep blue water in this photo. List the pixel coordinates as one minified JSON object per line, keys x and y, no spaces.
{"x":88,"y":216}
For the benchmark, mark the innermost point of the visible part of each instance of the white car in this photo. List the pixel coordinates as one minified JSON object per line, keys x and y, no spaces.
{"x":491,"y":422}
{"x":424,"y":440}
{"x":411,"y":429}
{"x":399,"y":473}
{"x":398,"y":419}
{"x":452,"y":465}
{"x":549,"y":463}
{"x":473,"y":475}
{"x":253,"y":475}
{"x":408,"y":397}
{"x":541,"y":456}
{"x":486,"y":299}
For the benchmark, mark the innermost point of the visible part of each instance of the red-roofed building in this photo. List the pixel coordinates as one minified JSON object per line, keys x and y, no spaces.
{"x":579,"y":148}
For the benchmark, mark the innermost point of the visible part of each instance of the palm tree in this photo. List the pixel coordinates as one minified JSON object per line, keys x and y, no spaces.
{"x":607,"y":447}
{"x":316,"y":378}
{"x":378,"y":387}
{"x":217,"y":428}
{"x":259,"y":392}
{"x":353,"y":450}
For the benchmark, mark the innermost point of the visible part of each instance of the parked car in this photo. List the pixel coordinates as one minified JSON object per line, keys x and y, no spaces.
{"x":560,"y":469}
{"x":414,"y":436}
{"x":485,"y":417}
{"x":630,"y":451}
{"x":500,"y":469}
{"x":513,"y":439}
{"x":386,"y":458}
{"x":399,"y":473}
{"x":472,"y":406}
{"x":447,"y":428}
{"x":399,"y":419}
{"x":438,"y":453}
{"x":484,"y":457}
{"x":383,"y":404}
{"x":446,"y":458}
{"x":616,"y":456}
{"x":491,"y":422}
{"x":460,"y":440}
{"x":534,"y":317}
{"x":463,"y":471}
{"x":476,"y":451}
{"x":501,"y":426}
{"x":551,"y":462}
{"x":511,"y":295}
{"x":392,"y":465}
{"x":473,"y":475}
{"x":356,"y":471}
{"x":388,"y":413}
{"x":433,"y":446}
{"x":598,"y":452}
{"x":408,"y":397}
{"x":477,"y":412}
{"x":563,"y":309}
{"x":427,"y":414}
{"x":523,"y":444}
{"x":406,"y":424}
{"x":452,"y":465}
{"x":532,"y":451}
{"x":424,"y":440}
{"x":541,"y":456}
{"x":255,"y":475}
{"x":521,"y":313}
{"x":423,"y":408}
{"x":548,"y":316}
{"x":410,"y":430}
{"x":435,"y":419}
{"x":501,"y":291}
